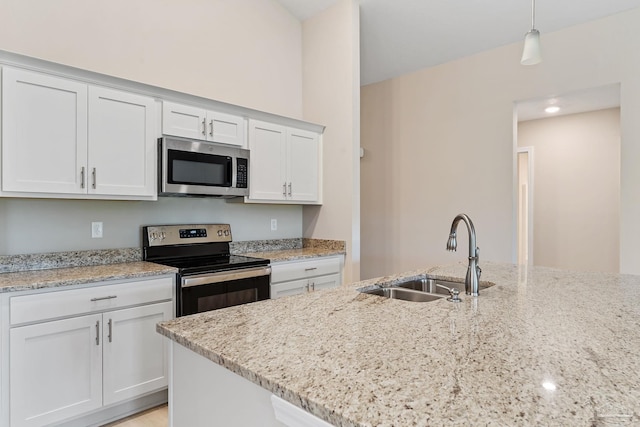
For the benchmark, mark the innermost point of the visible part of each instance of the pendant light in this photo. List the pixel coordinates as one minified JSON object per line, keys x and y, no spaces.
{"x":531,"y":52}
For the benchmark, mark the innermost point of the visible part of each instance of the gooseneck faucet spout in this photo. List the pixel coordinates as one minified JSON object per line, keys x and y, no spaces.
{"x":473,"y":271}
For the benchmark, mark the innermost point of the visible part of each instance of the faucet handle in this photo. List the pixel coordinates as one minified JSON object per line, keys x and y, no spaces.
{"x":477,"y":254}
{"x":478,"y":272}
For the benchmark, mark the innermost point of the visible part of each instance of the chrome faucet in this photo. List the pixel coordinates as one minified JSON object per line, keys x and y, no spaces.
{"x":473,"y":271}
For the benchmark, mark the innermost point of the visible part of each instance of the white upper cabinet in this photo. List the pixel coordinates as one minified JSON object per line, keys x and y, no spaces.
{"x":63,"y":137}
{"x":303,"y":165}
{"x":197,"y":123}
{"x":122,"y":143}
{"x":285,"y":164}
{"x":44,"y":133}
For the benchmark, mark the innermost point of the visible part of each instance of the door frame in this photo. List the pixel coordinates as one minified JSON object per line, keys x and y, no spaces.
{"x":530,"y":200}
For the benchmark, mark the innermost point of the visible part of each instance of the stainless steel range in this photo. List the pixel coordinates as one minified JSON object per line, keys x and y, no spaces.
{"x":209,"y":276}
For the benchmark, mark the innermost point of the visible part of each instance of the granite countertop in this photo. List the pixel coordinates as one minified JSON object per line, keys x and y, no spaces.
{"x":57,"y":277}
{"x":308,"y":248}
{"x":540,"y":347}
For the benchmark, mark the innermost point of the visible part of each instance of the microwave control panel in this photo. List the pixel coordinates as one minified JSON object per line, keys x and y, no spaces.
{"x":242,"y":173}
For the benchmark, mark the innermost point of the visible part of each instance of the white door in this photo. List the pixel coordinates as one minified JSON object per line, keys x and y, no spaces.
{"x":135,"y":355}
{"x":303,"y":162}
{"x":44,"y":133}
{"x":122,"y":143}
{"x":56,"y":370}
{"x":183,"y":120}
{"x":267,"y":166}
{"x":226,"y":129}
{"x":325,"y":282}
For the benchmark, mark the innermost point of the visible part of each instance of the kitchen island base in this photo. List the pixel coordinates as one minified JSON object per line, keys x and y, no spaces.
{"x":203,"y":393}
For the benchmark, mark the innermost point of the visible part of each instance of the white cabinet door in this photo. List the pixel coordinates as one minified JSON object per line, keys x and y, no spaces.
{"x":121,"y":143}
{"x":303,"y":165}
{"x":135,"y":355}
{"x":196,"y":123}
{"x":285,"y":289}
{"x":226,"y":129}
{"x":56,"y":370}
{"x":325,"y":282}
{"x":44,"y":133}
{"x":184,"y":120}
{"x":267,"y":166}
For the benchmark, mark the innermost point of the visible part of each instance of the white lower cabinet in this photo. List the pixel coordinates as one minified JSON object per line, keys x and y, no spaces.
{"x":56,"y":370}
{"x":63,"y":368}
{"x":298,"y":277}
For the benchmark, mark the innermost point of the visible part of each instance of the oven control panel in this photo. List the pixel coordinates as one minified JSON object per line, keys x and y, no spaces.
{"x":163,"y":235}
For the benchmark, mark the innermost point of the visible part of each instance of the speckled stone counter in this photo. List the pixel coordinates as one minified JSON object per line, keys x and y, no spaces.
{"x":57,"y":277}
{"x":310,"y":248}
{"x":541,"y":347}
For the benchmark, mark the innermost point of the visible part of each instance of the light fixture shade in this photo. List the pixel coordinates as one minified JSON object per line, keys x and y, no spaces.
{"x":531,"y":54}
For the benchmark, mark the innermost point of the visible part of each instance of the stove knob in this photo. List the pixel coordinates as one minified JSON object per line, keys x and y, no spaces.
{"x":226,"y":232}
{"x":163,"y":235}
{"x":219,"y":233}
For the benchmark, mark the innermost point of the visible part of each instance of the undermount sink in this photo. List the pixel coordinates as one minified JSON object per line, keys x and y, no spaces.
{"x":429,"y":285}
{"x":416,"y":290}
{"x":404,"y":294}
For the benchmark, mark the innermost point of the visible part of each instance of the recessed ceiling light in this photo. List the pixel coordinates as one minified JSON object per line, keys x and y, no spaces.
{"x":552,"y":109}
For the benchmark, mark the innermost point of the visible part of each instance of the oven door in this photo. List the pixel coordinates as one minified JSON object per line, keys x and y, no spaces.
{"x":211,"y":291}
{"x":202,"y":168}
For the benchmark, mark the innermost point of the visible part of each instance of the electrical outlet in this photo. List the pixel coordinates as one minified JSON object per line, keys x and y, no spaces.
{"x":274,"y":224}
{"x":96,"y":230}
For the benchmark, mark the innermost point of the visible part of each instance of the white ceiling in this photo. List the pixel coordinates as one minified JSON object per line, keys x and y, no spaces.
{"x":402,"y":36}
{"x":570,"y":103}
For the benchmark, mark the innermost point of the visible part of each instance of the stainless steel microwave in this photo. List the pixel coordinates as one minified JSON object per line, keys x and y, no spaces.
{"x":198,"y":168}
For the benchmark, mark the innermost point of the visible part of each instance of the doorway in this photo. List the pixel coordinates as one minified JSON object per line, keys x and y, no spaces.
{"x":570,"y":219}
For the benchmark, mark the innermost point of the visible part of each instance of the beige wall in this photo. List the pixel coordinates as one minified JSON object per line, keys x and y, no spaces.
{"x":576,"y":189}
{"x":331,"y":97}
{"x":440,"y":142}
{"x":245,"y":52}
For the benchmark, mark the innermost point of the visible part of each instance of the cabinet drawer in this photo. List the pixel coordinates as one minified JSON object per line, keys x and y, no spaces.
{"x":304,"y":269}
{"x":49,"y":305}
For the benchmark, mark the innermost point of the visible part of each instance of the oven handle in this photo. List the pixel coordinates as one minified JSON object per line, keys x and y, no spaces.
{"x":224,"y":276}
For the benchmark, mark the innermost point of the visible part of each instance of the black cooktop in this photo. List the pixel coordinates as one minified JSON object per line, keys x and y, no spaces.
{"x":212,"y":264}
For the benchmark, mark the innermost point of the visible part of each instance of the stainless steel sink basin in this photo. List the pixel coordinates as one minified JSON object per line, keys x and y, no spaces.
{"x":429,"y":285}
{"x":404,"y":294}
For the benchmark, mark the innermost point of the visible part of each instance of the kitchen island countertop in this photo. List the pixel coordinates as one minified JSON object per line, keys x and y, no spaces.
{"x":540,"y":347}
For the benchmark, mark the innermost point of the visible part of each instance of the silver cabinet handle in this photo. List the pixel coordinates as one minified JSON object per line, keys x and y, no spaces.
{"x":313,"y":286}
{"x":284,"y":189}
{"x":204,"y":127}
{"x":82,"y":177}
{"x":289,"y":189}
{"x":110,"y":335}
{"x":93,"y":174}
{"x":211,"y":128}
{"x":103,"y":298}
{"x":98,"y":332}
{"x":311,"y":269}
{"x":306,"y":287}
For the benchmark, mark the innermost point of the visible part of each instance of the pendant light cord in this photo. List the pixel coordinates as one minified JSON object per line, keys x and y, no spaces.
{"x":533,"y":14}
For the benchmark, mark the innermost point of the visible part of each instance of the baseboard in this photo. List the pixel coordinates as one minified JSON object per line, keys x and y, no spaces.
{"x":119,"y":411}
